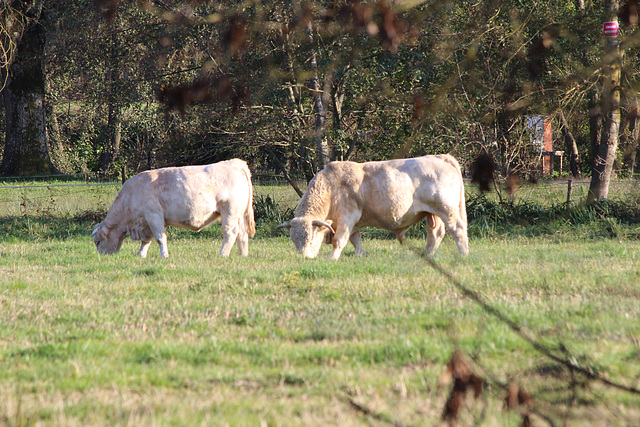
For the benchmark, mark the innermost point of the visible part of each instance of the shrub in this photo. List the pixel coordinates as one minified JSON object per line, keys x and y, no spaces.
{"x":269,"y":214}
{"x":487,"y":217}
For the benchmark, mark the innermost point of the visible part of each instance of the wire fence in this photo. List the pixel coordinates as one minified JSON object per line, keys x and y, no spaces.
{"x":70,"y":195}
{"x":73,"y":194}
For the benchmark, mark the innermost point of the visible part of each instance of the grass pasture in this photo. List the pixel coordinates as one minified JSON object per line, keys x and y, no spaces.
{"x":275,"y":339}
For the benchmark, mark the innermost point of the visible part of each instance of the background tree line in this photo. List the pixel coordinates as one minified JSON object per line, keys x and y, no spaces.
{"x":123,"y":86}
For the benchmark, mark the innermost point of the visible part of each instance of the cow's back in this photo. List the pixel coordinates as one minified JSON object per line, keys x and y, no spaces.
{"x":334,"y":187}
{"x":194,"y":196}
{"x":396,"y":193}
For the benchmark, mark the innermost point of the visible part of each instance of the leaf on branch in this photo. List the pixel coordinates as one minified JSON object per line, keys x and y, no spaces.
{"x":235,"y":39}
{"x":418,"y":109}
{"x":392,"y":28}
{"x":482,"y":170}
{"x":181,"y":96}
{"x":305,"y":17}
{"x":302,"y":20}
{"x":240,"y":96}
{"x":463,"y":380}
{"x":380,"y":21}
{"x":145,"y":5}
{"x":517,"y":397}
{"x":203,"y":91}
{"x":361,"y":15}
{"x":630,"y":13}
{"x":513,"y":180}
{"x":538,"y":51}
{"x":108,"y":8}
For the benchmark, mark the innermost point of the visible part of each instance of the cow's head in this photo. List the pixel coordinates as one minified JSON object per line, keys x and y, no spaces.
{"x":107,"y":240}
{"x":309,"y":234}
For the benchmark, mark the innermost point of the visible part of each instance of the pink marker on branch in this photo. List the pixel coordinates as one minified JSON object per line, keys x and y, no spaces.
{"x":610,"y":29}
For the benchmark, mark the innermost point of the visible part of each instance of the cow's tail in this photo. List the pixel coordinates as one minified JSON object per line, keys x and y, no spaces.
{"x":249,"y":221}
{"x":463,"y":205}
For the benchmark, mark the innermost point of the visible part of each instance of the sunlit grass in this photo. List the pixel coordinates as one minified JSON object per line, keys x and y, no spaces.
{"x":118,"y":338}
{"x":282,"y":340}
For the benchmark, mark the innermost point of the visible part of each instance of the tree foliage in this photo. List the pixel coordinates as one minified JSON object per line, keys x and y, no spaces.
{"x":138,"y":85}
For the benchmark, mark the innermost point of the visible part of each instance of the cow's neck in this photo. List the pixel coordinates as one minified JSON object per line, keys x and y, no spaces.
{"x":316,"y":201}
{"x":116,"y":217}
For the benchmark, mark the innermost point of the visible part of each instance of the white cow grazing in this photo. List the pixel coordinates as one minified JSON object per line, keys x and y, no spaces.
{"x":190,"y":197}
{"x":346,"y":196}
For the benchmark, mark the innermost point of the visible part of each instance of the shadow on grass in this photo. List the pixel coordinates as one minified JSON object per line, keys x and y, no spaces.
{"x":47,"y":226}
{"x":605,"y":219}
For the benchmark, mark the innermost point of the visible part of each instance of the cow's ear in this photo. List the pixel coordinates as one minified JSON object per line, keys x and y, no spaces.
{"x":100,"y":231}
{"x":327,"y":229}
{"x":327,"y":224}
{"x":286,"y":225}
{"x":103,"y":232}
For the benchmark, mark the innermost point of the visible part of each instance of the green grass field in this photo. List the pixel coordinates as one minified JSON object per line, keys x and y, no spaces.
{"x":275,"y":339}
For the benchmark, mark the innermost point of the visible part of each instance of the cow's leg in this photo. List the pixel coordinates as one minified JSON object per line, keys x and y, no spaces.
{"x":243,"y":243}
{"x":243,"y":240}
{"x":340,"y":240}
{"x":435,"y":233}
{"x":162,"y":241}
{"x":156,"y":224}
{"x":144,"y":248}
{"x":356,"y":241}
{"x":230,"y":231}
{"x":458,"y":229}
{"x":459,"y":234}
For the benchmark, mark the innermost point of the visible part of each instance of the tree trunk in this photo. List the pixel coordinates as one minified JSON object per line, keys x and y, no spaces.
{"x":58,"y":154}
{"x":114,"y":136}
{"x":595,"y":127}
{"x":629,"y":137}
{"x":301,"y":152}
{"x":114,"y":118}
{"x":606,"y":155}
{"x":353,"y":142}
{"x":322,"y":147}
{"x":337,"y":100}
{"x":26,"y":151}
{"x":284,"y":171}
{"x":633,"y":146}
{"x":504,"y":163}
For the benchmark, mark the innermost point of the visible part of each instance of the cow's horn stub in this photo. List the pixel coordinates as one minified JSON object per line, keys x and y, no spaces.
{"x":95,"y":230}
{"x":319,"y":223}
{"x":284,"y":225}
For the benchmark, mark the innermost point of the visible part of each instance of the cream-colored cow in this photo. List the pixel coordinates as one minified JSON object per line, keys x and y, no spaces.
{"x":346,"y":196}
{"x":190,"y":197}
